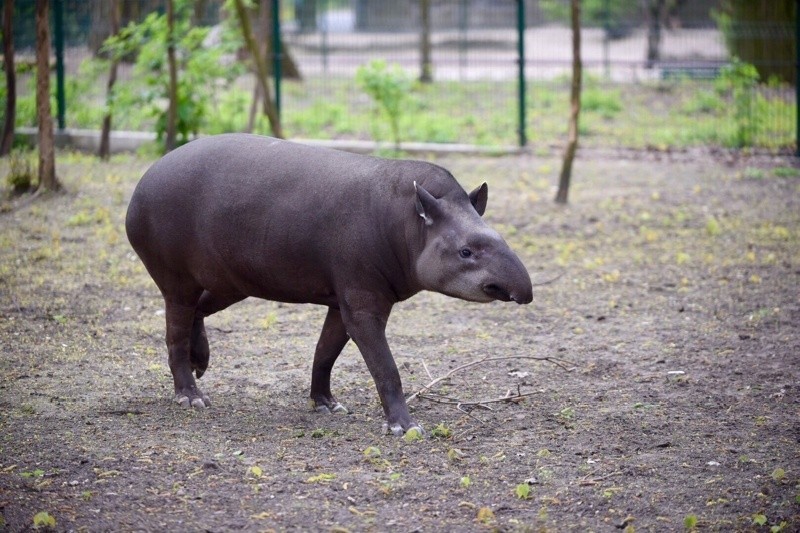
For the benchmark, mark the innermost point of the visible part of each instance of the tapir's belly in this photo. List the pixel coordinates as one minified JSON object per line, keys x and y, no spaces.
{"x":274,"y":265}
{"x":237,"y":249}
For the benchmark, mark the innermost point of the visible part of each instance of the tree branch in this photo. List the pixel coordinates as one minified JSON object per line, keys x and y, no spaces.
{"x":561,"y":363}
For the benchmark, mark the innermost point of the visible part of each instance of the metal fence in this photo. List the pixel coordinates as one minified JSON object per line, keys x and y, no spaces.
{"x":663,"y":79}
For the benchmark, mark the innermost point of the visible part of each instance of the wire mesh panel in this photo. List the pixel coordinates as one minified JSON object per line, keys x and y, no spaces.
{"x":470,"y":95}
{"x":657,"y":73}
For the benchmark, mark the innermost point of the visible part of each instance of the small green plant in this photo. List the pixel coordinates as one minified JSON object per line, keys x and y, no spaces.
{"x":20,"y":174}
{"x":372,"y":452}
{"x":567,"y":413}
{"x":43,"y":519}
{"x":523,"y":491}
{"x":786,"y":172}
{"x":441,"y":432}
{"x":412,"y":435}
{"x":454,"y":455}
{"x":465,"y":482}
{"x":778,"y":474}
{"x":740,"y":79}
{"x":759,"y":519}
{"x":606,"y":102}
{"x":485,"y":516}
{"x":690,"y":522}
{"x":389,"y":86}
{"x":387,"y":486}
{"x":321,"y":478}
{"x":712,"y":227}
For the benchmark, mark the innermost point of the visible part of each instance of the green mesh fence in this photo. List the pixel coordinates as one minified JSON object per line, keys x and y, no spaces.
{"x":657,"y":74}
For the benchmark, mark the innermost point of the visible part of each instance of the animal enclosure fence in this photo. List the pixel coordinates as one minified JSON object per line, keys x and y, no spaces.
{"x":498,"y":72}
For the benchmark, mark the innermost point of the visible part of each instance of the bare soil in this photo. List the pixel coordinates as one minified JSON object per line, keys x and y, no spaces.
{"x":677,"y":307}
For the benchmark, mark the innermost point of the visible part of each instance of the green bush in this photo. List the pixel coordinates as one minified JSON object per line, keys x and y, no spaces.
{"x":388,"y":86}
{"x":202,"y":73}
{"x":739,"y":81}
{"x":21,"y":172}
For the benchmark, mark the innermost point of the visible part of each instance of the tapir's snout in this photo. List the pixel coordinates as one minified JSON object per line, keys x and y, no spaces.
{"x":525,"y":298}
{"x":515,"y":285}
{"x":497,"y":292}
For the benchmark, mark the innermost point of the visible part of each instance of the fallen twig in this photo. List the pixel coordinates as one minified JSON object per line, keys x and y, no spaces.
{"x":426,"y":369}
{"x":594,"y":481}
{"x":549,"y":281}
{"x":561,"y":363}
{"x":481,"y":403}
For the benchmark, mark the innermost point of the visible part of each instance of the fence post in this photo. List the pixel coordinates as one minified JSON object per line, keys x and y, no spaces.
{"x":521,"y":73}
{"x":277,"y":53}
{"x":58,"y":37}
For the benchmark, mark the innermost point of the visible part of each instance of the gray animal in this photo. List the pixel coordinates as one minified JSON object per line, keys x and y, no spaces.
{"x":226,"y":217}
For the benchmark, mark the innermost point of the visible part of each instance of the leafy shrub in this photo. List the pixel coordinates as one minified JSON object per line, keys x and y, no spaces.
{"x":202,"y":72}
{"x":21,"y":173}
{"x":739,"y":81}
{"x":388,"y":85}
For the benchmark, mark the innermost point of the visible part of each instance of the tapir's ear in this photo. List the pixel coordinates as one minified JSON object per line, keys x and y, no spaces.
{"x":427,"y":206}
{"x":479,"y":197}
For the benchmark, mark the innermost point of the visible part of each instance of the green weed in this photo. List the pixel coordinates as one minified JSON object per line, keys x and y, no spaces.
{"x":388,"y":85}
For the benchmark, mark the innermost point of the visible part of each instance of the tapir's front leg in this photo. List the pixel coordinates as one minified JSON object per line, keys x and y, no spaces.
{"x":365,"y":319}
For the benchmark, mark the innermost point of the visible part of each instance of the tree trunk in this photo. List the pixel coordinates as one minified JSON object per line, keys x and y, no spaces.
{"x":263,"y":34}
{"x":251,"y":118}
{"x":99,"y":28}
{"x":105,"y":132}
{"x":172,"y":110}
{"x":425,"y":69}
{"x":654,"y":9}
{"x":199,"y":12}
{"x":47,"y":155}
{"x":575,"y":105}
{"x":260,"y":68}
{"x":11,"y":78}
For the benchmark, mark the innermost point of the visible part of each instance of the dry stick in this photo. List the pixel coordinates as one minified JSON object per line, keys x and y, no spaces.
{"x":561,"y":363}
{"x":549,"y":281}
{"x":426,"y":369}
{"x":588,"y":482}
{"x":507,"y":398}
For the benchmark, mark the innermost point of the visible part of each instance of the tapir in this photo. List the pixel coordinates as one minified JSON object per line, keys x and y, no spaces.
{"x":231,"y":216}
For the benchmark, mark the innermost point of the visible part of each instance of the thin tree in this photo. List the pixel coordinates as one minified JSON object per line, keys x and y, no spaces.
{"x":11,"y":78}
{"x":260,"y":68}
{"x":172,"y":96}
{"x":262,"y":32}
{"x":655,"y":12}
{"x":105,"y":132}
{"x":47,"y":155}
{"x":575,"y":105}
{"x":425,"y":69}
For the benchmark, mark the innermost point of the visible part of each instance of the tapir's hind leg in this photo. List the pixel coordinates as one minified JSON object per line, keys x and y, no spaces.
{"x":180,"y":312}
{"x":208,"y":305}
{"x":330,"y":345}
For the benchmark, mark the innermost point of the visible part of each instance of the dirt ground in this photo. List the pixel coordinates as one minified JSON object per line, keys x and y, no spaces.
{"x":677,"y":309}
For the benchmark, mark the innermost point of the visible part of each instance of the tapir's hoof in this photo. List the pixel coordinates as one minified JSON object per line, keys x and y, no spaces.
{"x":336,"y":408}
{"x":398,"y":431}
{"x":198,"y":402}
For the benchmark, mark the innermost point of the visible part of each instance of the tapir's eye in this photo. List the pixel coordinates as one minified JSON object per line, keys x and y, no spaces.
{"x":465,"y":253}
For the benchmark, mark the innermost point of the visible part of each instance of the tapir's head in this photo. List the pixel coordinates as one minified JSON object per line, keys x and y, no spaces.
{"x":462,"y":256}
